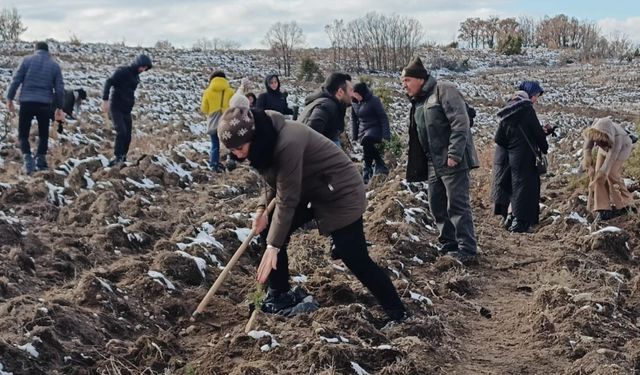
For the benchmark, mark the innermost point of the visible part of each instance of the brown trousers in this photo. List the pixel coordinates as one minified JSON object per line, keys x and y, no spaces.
{"x":611,"y":192}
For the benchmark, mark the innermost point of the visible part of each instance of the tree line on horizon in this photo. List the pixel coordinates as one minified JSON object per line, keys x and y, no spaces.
{"x":387,"y":42}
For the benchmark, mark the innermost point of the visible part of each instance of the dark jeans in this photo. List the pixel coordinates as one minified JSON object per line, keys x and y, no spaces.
{"x":29,"y":110}
{"x":214,"y":153}
{"x":349,"y":244}
{"x":370,"y":151}
{"x":123,"y":125}
{"x":449,"y":202}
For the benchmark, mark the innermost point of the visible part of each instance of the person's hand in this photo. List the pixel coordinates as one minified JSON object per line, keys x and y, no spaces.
{"x":600,"y":175}
{"x":451,"y":163}
{"x":260,"y":221}
{"x":59,"y":115}
{"x":10,"y":107}
{"x":105,"y":106}
{"x":269,"y":262}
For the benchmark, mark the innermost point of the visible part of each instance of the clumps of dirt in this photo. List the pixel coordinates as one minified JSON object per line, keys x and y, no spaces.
{"x":179,"y":267}
{"x":10,"y":234}
{"x":611,"y":241}
{"x":600,"y":362}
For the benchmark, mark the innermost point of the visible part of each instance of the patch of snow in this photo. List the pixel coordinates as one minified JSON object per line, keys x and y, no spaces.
{"x":414,"y":238}
{"x":144,"y":184}
{"x":135,"y":237}
{"x":29,"y":348}
{"x":172,"y":167}
{"x":202,"y":238}
{"x":201,"y":263}
{"x":409,"y":214}
{"x":420,"y":298}
{"x":576,"y":216}
{"x":104,"y":284}
{"x":242,"y":233}
{"x":610,"y":228}
{"x":2,"y":372}
{"x":300,"y":279}
{"x":417,"y":260}
{"x":159,"y":277}
{"x":384,"y":347}
{"x":55,"y":194}
{"x":358,"y":369}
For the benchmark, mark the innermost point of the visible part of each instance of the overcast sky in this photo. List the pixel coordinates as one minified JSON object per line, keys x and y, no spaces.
{"x":246,"y":21}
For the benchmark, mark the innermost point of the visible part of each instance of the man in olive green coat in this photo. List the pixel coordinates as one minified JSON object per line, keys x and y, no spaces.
{"x":309,"y":178}
{"x":441,"y":151}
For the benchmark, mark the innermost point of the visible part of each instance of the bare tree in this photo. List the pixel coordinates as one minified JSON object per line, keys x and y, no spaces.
{"x":336,"y":32}
{"x":283,"y":39}
{"x":163,"y":44}
{"x":377,"y":41}
{"x":216,"y":44}
{"x":527,"y":27}
{"x":11,"y":26}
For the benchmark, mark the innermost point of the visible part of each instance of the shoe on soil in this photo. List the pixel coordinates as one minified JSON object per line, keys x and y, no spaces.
{"x":118,"y":161}
{"x":380,"y":169}
{"x":289,"y":303}
{"x":464,"y":258}
{"x":29,"y":165}
{"x":507,"y":221}
{"x":519,"y":226}
{"x":396,"y":318}
{"x":367,"y":173}
{"x":603,"y":215}
{"x":446,"y":248}
{"x":41,"y":163}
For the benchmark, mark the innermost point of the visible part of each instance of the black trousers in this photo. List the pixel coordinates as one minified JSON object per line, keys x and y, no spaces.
{"x":123,"y":124}
{"x":370,"y":151}
{"x":350,"y":246}
{"x":29,"y":110}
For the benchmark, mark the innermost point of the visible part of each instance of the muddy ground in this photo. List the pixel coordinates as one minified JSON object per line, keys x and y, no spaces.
{"x":101,"y":268}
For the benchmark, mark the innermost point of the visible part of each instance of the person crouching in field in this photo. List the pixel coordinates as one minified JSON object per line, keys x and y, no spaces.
{"x":310,"y":179}
{"x":610,"y":195}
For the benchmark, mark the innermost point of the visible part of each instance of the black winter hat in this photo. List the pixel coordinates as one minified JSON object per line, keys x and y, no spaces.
{"x":361,"y":88}
{"x":415,"y":69}
{"x":143,"y":60}
{"x":43,"y":46}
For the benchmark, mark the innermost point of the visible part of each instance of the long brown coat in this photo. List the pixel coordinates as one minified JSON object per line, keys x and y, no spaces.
{"x":310,"y":169}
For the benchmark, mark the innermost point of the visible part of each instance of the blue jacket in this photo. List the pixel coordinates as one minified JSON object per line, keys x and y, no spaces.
{"x":40,"y":77}
{"x":368,"y":119}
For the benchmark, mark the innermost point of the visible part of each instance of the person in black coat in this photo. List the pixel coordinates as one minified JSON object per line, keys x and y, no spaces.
{"x":369,"y":124}
{"x":273,"y":98}
{"x":516,"y":179}
{"x":324,"y":109}
{"x":120,"y":103}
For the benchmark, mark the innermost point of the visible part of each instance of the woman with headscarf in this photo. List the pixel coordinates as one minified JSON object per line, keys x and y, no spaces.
{"x":516,"y":180}
{"x":610,"y":195}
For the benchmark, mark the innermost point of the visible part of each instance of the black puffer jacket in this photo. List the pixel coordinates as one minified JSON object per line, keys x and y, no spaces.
{"x":324,"y":113}
{"x":368,"y":118}
{"x":124,"y":82}
{"x":273,"y":100}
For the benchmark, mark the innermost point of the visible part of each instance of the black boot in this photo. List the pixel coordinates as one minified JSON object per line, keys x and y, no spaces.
{"x":41,"y":163}
{"x":603,"y":215}
{"x":118,"y":161}
{"x":380,"y":168}
{"x":507,"y":221}
{"x":29,"y":167}
{"x":519,"y":226}
{"x":367,"y":173}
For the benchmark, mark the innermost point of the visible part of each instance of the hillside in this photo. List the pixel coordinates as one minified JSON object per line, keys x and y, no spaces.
{"x":101,"y":268}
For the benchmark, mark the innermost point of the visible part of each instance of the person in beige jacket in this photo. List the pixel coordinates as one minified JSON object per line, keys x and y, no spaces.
{"x":309,"y":178}
{"x":610,"y":195}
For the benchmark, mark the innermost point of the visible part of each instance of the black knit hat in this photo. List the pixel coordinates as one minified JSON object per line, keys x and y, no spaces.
{"x":415,"y":69}
{"x":361,"y":88}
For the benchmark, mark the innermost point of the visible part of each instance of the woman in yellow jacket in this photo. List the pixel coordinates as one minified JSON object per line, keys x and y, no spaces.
{"x":215,"y":100}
